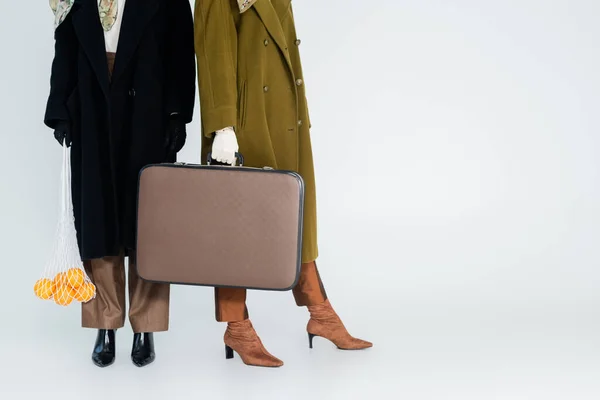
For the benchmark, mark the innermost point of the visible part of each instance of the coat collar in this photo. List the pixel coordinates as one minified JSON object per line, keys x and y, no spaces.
{"x":272,"y":22}
{"x":136,"y":17}
{"x":281,"y":6}
{"x":86,"y":21}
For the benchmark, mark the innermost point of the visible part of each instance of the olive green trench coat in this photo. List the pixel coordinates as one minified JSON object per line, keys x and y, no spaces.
{"x":250,"y":77}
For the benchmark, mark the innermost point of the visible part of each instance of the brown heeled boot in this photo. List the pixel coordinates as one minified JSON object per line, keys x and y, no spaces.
{"x":324,"y":322}
{"x":241,"y":337}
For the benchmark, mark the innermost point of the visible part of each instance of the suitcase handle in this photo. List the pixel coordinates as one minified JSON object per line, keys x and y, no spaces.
{"x":239,"y":157}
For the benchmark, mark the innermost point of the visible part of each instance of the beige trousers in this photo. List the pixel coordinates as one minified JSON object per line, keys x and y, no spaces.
{"x":148,"y":302}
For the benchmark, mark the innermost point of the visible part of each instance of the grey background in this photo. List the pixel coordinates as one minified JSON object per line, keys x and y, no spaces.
{"x":456,"y":151}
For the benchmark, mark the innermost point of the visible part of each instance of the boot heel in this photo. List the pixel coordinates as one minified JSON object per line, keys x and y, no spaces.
{"x":310,"y":340}
{"x":228,"y":352}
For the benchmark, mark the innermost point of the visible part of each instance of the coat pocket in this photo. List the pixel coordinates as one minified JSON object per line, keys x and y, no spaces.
{"x":242,"y":104}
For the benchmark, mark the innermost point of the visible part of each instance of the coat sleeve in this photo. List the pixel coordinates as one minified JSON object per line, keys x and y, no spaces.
{"x":63,"y":77}
{"x":216,"y":52}
{"x":181,"y":63}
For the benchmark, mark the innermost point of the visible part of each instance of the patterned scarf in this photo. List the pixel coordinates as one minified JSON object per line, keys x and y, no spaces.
{"x":108,"y":13}
{"x":61,"y":9}
{"x":245,"y":4}
{"x":107,"y":9}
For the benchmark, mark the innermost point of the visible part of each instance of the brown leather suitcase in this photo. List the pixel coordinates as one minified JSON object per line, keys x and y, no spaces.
{"x":220,"y":226}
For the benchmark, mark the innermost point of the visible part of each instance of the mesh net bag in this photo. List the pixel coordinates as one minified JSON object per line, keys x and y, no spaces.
{"x":64,"y":279}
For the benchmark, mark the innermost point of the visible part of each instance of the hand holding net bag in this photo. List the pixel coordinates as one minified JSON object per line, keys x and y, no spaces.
{"x":64,"y":278}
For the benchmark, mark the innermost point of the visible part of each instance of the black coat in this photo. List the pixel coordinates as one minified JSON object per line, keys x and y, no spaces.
{"x":119,"y":125}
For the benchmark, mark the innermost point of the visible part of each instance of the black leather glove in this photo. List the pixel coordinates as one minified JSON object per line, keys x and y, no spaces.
{"x":62,"y":134}
{"x":176,"y":135}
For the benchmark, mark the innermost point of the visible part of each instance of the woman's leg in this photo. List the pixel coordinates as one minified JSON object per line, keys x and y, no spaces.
{"x":148,"y":303}
{"x":310,"y":290}
{"x":107,"y":309}
{"x":106,"y":312}
{"x":148,"y":313}
{"x":240,"y":336}
{"x":230,"y":304}
{"x":324,"y":321}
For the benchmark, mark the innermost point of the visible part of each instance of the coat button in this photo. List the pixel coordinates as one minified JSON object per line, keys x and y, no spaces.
{"x":299,"y":122}
{"x":298,"y":41}
{"x":299,"y":82}
{"x":265,"y":89}
{"x":132,"y":92}
{"x":266,"y":42}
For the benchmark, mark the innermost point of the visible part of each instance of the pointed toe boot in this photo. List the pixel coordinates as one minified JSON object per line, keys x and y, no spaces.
{"x":104,"y":348}
{"x":242,"y":338}
{"x":142,"y":351}
{"x":325,"y":323}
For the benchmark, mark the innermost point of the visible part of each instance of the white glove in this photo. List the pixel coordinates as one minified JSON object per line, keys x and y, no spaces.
{"x":225,"y":146}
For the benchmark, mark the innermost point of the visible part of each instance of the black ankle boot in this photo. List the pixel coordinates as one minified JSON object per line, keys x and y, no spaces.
{"x":104,"y":349}
{"x":142,"y":352}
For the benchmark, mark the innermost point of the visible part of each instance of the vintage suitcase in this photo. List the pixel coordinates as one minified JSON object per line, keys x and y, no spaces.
{"x":220,"y":226}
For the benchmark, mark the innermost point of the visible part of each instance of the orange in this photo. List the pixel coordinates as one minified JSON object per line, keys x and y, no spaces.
{"x":60,"y":279}
{"x":44,"y":288}
{"x":75,"y":277}
{"x":64,"y":295}
{"x":86,"y":292}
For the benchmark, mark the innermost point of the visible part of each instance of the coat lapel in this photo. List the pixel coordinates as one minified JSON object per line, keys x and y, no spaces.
{"x":281,"y":7}
{"x":86,"y":22}
{"x":272,"y":23}
{"x":136,"y":16}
